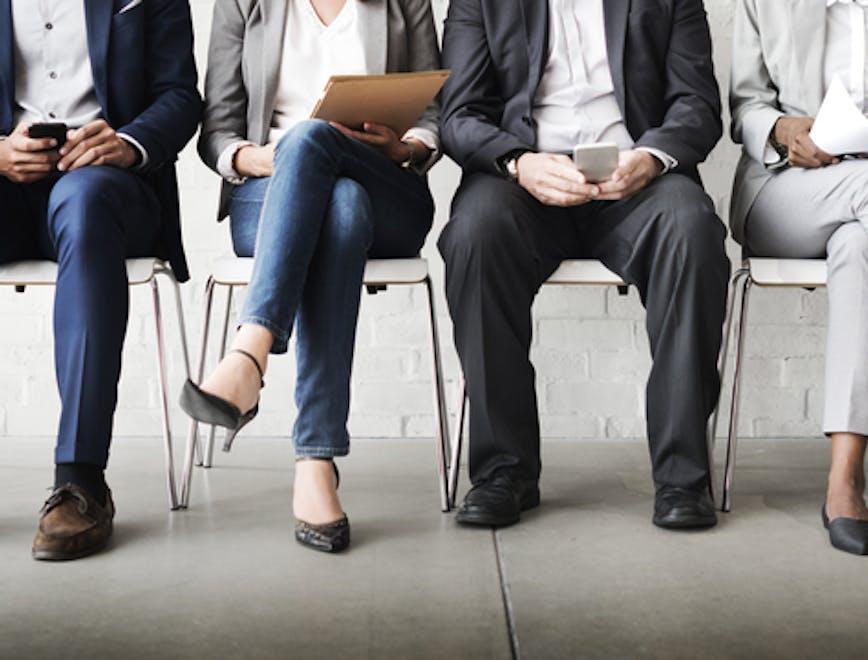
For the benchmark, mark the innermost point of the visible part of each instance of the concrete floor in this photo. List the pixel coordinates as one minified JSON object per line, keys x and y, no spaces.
{"x":584,"y":576}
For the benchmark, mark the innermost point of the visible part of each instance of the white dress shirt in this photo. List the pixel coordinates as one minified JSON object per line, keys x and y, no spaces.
{"x":312,"y":53}
{"x":575,"y":102}
{"x":53,"y":76}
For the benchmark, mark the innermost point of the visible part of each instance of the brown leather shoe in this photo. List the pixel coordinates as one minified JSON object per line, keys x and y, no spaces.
{"x":72,"y":525}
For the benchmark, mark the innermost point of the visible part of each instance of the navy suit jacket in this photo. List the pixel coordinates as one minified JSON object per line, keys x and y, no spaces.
{"x":659,"y":54}
{"x":145,"y":78}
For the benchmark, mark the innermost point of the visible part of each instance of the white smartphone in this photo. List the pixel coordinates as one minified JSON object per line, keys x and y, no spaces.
{"x":596,"y":161}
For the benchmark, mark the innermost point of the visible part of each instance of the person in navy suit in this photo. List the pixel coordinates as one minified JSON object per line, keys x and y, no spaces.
{"x":121,"y":75}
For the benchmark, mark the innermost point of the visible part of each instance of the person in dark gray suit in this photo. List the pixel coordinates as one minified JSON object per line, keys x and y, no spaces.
{"x":531,"y":80}
{"x":311,"y":201}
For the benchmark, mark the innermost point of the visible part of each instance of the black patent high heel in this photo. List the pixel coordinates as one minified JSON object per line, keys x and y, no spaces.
{"x":329,"y":537}
{"x":211,"y":409}
{"x":847,"y":534}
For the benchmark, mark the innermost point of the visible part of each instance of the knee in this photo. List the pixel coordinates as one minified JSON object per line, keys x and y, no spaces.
{"x":77,"y":208}
{"x":304,"y":138}
{"x":348,"y":220}
{"x":848,"y":246}
{"x":689,"y":222}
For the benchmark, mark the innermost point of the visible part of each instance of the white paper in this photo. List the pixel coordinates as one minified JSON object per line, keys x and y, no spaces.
{"x":840,"y":127}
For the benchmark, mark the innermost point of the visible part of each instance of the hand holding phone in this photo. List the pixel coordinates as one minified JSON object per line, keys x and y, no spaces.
{"x":56,"y":131}
{"x":596,"y":162}
{"x":26,"y":159}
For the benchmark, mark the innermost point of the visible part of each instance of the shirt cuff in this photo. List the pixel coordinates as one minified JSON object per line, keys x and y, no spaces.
{"x":770,"y":155}
{"x":225,"y":163}
{"x":143,"y":163}
{"x":430,"y":140}
{"x":669,"y":163}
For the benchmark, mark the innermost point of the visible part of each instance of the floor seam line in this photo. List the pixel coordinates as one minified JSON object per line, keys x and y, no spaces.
{"x":506,"y":597}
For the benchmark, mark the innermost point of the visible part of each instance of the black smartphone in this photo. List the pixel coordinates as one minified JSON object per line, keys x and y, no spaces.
{"x":56,"y":131}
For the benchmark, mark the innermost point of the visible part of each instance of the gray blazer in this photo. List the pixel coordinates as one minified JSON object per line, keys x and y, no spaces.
{"x":244,"y":65}
{"x":777,"y":69}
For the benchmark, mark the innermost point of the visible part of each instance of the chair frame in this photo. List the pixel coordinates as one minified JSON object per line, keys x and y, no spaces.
{"x":442,"y":450}
{"x":742,"y":283}
{"x":160,"y":269}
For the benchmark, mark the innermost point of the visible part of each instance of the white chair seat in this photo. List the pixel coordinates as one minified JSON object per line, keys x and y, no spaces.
{"x":788,"y":272}
{"x":236,"y":271}
{"x":584,"y":271}
{"x":44,"y":273}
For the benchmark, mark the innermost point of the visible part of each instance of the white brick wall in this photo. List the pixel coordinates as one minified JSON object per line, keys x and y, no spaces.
{"x":590,"y":347}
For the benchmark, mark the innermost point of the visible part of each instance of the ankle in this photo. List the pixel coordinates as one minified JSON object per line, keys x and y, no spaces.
{"x":91,"y":478}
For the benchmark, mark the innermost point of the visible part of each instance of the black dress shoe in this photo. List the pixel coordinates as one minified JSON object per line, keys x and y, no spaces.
{"x":683,"y":508}
{"x":328,"y":537}
{"x":498,"y":502}
{"x":847,"y":534}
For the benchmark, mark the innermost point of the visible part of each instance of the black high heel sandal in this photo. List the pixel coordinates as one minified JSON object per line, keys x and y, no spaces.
{"x":329,"y":537}
{"x":847,"y":534}
{"x":211,"y":409}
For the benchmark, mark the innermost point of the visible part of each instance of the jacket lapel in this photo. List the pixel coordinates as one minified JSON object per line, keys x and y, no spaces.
{"x":536,"y":22}
{"x":374,"y":26}
{"x":615,"y":14}
{"x":7,"y":67}
{"x":98,"y":17}
{"x":809,"y":44}
{"x":274,"y":26}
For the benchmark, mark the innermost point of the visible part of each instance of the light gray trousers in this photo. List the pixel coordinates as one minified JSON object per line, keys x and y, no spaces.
{"x":804,"y":214}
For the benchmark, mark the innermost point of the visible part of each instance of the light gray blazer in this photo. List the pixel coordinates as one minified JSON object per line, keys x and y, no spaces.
{"x":777,"y":69}
{"x":244,"y":65}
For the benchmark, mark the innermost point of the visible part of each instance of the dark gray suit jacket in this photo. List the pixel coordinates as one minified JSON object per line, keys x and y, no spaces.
{"x":659,"y":53}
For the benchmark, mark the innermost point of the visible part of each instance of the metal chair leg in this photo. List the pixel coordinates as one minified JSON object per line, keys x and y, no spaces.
{"x":209,"y":445}
{"x":457,"y":442}
{"x":187,"y":473}
{"x":441,"y":449}
{"x":164,"y":396}
{"x":182,"y":330}
{"x":721,"y":370}
{"x":731,"y":445}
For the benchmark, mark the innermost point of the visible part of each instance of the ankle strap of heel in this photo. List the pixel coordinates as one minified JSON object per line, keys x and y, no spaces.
{"x":255,"y":362}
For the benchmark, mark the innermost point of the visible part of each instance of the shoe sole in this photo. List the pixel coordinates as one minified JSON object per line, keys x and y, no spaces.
{"x":696,"y":522}
{"x":484,"y":520}
{"x":49,"y":555}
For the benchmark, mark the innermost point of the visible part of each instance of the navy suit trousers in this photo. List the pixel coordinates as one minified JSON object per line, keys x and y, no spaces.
{"x":89,"y":221}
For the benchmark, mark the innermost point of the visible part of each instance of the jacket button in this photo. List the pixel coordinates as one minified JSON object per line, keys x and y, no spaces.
{"x":527,"y":120}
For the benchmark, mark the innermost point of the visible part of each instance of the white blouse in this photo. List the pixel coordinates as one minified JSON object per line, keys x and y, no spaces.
{"x":312,"y":53}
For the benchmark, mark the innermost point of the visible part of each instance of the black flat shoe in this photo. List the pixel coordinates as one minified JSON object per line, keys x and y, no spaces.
{"x":498,"y":502}
{"x":328,"y":537}
{"x":683,"y":508}
{"x":211,"y":409}
{"x":847,"y":534}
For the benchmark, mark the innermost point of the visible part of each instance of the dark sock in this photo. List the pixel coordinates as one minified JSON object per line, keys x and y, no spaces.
{"x":89,"y":477}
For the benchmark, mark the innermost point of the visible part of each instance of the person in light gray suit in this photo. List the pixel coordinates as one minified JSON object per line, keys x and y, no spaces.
{"x":790,"y":199}
{"x":311,"y":201}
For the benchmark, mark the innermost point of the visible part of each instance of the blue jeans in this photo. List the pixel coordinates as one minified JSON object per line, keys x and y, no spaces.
{"x":88,"y":221}
{"x":331,"y":204}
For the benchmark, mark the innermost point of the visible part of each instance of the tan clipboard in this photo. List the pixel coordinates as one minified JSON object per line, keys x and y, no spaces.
{"x":396,"y":100}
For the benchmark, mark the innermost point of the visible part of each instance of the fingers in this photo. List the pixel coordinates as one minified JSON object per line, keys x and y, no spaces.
{"x":804,"y":153}
{"x":21,"y":142}
{"x":98,"y":155}
{"x":91,"y":140}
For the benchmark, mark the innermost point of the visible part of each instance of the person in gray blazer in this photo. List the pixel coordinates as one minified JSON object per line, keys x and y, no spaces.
{"x":311,"y":201}
{"x":790,"y":199}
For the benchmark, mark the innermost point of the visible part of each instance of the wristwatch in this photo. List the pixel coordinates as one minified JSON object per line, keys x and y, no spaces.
{"x":410,"y":163}
{"x":781,"y":149}
{"x":509,"y":164}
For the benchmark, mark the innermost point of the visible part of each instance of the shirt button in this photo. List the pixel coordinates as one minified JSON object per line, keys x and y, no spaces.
{"x":53,"y":75}
{"x":49,"y":26}
{"x":52,"y":115}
